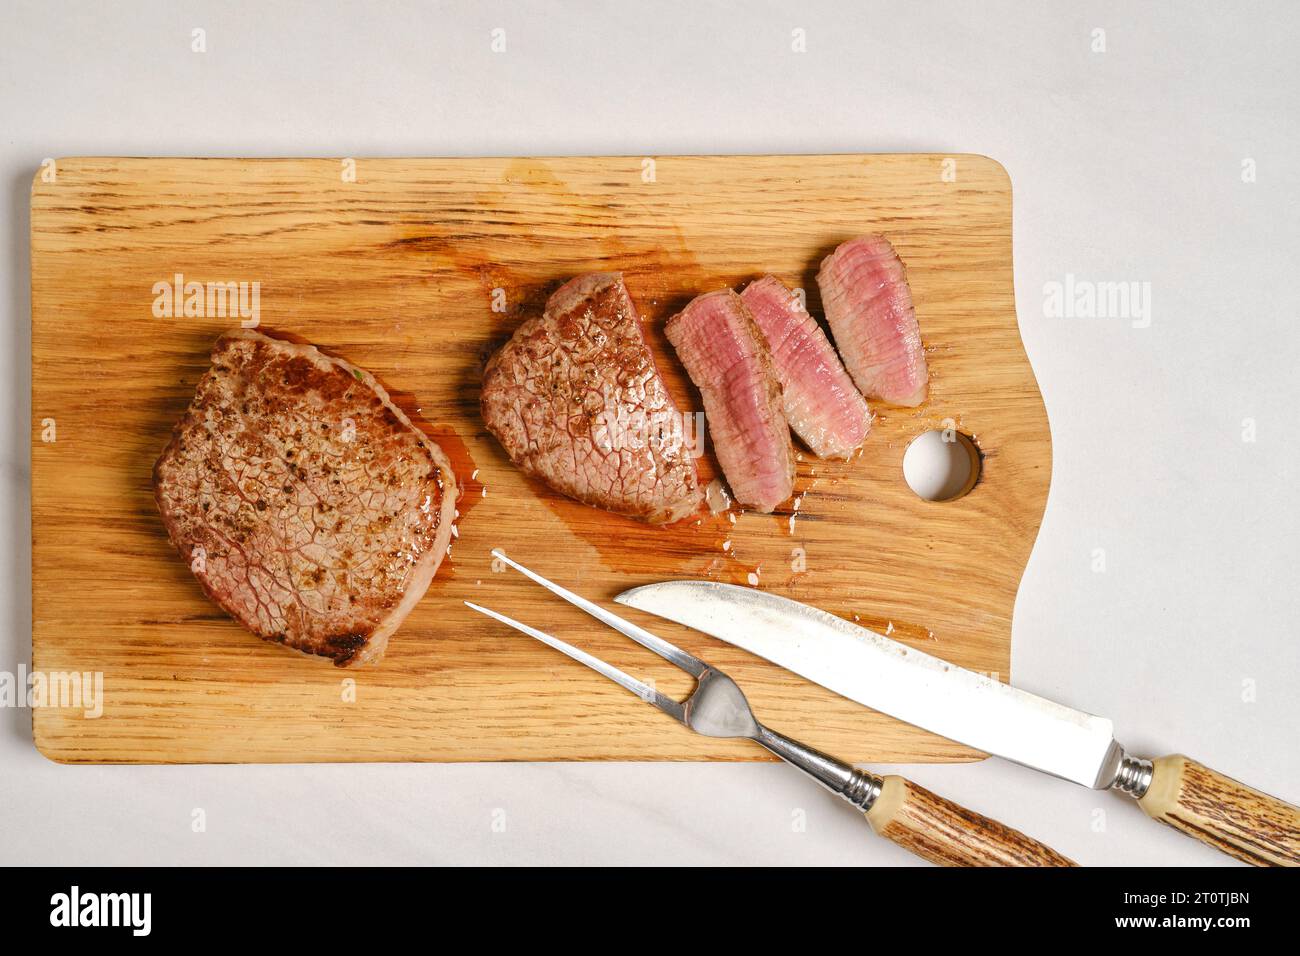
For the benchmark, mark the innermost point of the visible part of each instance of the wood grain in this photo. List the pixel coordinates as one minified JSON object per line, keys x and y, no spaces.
{"x":1223,"y":812}
{"x":399,"y":272}
{"x":945,"y":833}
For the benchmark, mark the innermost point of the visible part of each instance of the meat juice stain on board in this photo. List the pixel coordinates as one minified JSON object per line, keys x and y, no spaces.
{"x":515,"y":290}
{"x":462,"y":465}
{"x":636,"y":547}
{"x":769,"y":550}
{"x":662,"y":276}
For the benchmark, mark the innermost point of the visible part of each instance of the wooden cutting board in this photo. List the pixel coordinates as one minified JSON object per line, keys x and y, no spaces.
{"x":416,"y":269}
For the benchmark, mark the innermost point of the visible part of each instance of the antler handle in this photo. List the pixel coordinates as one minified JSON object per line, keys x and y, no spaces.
{"x":1222,"y":812}
{"x":946,"y":833}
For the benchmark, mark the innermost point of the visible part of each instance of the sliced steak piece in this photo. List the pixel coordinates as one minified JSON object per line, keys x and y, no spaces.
{"x":306,"y":503}
{"x":728,"y":360}
{"x":821,"y":403}
{"x":869,"y":309}
{"x":576,"y":400}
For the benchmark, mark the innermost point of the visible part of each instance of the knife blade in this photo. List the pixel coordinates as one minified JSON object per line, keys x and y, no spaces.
{"x":980,"y":712}
{"x":890,"y":677}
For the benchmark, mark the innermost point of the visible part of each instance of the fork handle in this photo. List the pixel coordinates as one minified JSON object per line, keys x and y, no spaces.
{"x":933,"y":828}
{"x":948,"y":834}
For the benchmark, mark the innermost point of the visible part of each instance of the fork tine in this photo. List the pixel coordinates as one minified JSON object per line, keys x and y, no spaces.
{"x":669,"y":652}
{"x":643,"y":690}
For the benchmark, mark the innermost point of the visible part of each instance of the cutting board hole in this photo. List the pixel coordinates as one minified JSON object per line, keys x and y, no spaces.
{"x":941,"y":465}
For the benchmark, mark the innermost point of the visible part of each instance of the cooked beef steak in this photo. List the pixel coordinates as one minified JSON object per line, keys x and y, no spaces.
{"x":306,"y":503}
{"x":729,"y":361}
{"x":869,"y":308}
{"x":822,"y":404}
{"x":576,"y":400}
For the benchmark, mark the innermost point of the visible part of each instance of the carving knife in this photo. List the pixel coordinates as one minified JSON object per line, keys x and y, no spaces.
{"x":975,"y":710}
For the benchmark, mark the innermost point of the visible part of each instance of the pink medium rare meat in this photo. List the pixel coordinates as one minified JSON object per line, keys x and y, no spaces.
{"x":727,"y":358}
{"x":821,"y":402}
{"x":306,"y":503}
{"x":869,"y":309}
{"x":576,"y":400}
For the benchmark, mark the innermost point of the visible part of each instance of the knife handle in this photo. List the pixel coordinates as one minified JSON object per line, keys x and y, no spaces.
{"x":1222,"y":812}
{"x":950,"y":835}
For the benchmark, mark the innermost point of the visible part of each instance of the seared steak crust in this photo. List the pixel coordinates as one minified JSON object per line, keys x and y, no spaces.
{"x":576,"y":400}
{"x":307,"y":504}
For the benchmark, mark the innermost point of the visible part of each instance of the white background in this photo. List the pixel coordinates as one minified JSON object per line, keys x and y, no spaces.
{"x":1126,"y":165}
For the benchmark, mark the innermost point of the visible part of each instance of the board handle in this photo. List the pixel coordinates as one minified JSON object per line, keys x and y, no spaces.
{"x":950,"y":835}
{"x":1223,"y":812}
